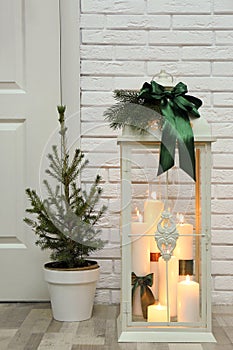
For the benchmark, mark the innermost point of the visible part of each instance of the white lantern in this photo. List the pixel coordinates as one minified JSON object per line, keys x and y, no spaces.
{"x":181,"y":310}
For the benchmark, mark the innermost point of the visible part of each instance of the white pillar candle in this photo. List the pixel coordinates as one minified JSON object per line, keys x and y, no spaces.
{"x":188,"y":301}
{"x":154,"y":268}
{"x":184,"y":244}
{"x":173,"y":272}
{"x":140,"y":250}
{"x":157,"y":313}
{"x":152,"y":212}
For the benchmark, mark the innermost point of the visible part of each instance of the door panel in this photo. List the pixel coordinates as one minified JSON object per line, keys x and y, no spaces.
{"x":29,"y":94}
{"x":12,"y":136}
{"x":11,"y":35}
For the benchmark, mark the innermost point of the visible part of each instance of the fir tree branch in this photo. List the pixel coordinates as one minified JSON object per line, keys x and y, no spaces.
{"x":65,"y":221}
{"x":132,"y":111}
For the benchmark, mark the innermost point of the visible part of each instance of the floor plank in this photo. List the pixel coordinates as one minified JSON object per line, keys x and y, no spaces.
{"x":30,"y":326}
{"x":229,"y":332}
{"x":34,"y":341}
{"x":184,"y":346}
{"x":13,"y":314}
{"x":56,"y":341}
{"x":5,"y":337}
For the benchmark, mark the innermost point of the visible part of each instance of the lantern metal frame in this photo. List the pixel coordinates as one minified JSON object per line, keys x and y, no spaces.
{"x":128,"y":330}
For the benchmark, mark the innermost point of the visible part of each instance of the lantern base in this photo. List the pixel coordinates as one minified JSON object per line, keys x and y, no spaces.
{"x":130,"y":334}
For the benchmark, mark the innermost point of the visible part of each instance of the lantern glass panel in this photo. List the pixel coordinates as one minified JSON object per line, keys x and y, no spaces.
{"x":176,"y":287}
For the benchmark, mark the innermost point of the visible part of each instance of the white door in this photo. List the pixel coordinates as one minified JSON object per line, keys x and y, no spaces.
{"x":29,"y":94}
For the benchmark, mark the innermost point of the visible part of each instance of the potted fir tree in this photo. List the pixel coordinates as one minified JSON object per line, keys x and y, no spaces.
{"x":65,"y":222}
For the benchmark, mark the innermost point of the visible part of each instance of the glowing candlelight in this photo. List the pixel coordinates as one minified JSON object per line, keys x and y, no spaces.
{"x":188,"y":301}
{"x":157,"y":313}
{"x":139,"y":216}
{"x":184,"y":244}
{"x":140,"y":256}
{"x":152,"y":213}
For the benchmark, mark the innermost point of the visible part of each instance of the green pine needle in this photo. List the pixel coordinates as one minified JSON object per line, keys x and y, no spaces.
{"x":132,"y":111}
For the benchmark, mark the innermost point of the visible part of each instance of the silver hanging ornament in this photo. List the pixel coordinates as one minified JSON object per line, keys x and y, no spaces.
{"x":166,"y":235}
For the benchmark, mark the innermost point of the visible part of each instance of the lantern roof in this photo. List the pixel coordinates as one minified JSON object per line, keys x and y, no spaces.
{"x":201,"y":130}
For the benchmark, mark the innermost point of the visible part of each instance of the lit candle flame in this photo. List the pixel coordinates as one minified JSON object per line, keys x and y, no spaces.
{"x":154,"y":195}
{"x":187,"y":278}
{"x":180,"y":218}
{"x":139,"y":216}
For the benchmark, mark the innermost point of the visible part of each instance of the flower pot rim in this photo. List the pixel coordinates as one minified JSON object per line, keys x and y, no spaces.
{"x":92,"y":266}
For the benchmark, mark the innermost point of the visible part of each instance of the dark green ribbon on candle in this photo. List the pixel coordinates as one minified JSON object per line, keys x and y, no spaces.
{"x":147,"y":297}
{"x":176,"y":107}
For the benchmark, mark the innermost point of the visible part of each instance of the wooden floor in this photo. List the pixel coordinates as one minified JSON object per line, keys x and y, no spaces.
{"x":27,"y":326}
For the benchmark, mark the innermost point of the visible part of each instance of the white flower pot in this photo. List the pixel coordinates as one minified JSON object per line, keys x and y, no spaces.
{"x":72,"y":292}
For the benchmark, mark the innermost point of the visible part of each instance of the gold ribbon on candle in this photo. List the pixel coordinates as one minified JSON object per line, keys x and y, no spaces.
{"x":185,"y":267}
{"x":147,"y":297}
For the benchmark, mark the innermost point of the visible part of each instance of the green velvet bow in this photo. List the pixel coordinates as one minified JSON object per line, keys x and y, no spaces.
{"x":175,"y":106}
{"x":147,"y":297}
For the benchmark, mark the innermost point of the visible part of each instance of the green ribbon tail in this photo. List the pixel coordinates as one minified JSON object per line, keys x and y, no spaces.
{"x":146,"y":295}
{"x":177,"y":128}
{"x":134,"y":283}
{"x":147,"y":298}
{"x":167,"y":149}
{"x":168,"y":141}
{"x":185,"y":141}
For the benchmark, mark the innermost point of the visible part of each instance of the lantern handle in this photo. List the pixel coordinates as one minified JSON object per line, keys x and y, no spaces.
{"x":164,"y":78}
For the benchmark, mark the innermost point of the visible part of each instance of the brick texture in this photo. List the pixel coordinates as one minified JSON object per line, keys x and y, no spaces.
{"x":123,"y":44}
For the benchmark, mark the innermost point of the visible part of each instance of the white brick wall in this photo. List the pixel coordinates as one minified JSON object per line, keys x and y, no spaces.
{"x":123,"y":44}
